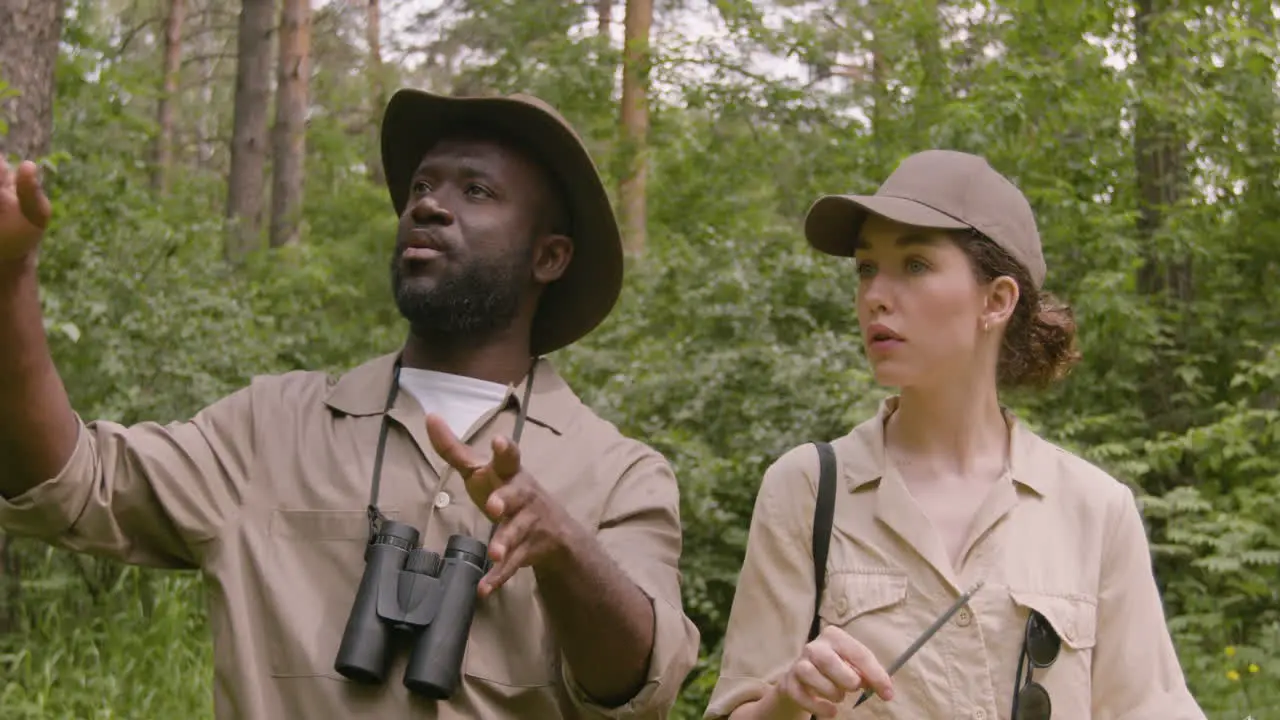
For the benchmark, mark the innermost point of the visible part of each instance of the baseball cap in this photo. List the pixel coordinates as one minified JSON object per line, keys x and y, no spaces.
{"x":939,"y":189}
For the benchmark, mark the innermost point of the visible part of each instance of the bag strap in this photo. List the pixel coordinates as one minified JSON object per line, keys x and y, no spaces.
{"x":823,"y":514}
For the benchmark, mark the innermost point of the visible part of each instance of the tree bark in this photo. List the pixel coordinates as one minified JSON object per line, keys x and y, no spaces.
{"x":245,"y":182}
{"x":635,"y":123}
{"x":378,"y":87}
{"x":28,"y":55}
{"x":293,"y":75}
{"x":1159,"y":157}
{"x":162,"y":167}
{"x":604,"y":18}
{"x":935,"y":75}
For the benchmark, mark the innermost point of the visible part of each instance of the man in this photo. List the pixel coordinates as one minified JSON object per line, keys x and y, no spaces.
{"x":507,"y":249}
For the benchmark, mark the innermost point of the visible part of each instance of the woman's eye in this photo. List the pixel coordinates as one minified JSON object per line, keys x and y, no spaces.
{"x":420,"y":186}
{"x":916,"y":266}
{"x":479,"y":191}
{"x":865,"y":269}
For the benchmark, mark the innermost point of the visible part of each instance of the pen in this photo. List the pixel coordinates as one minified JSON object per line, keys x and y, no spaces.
{"x":924,"y":637}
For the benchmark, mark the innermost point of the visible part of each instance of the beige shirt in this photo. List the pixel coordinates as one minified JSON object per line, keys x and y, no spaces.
{"x":266,"y":490}
{"x":1055,"y":534}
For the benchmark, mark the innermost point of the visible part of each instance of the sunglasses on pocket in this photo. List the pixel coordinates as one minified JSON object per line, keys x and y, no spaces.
{"x":1040,"y":647}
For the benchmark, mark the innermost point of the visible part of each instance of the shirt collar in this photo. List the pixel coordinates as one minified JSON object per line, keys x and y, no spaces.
{"x":363,"y":391}
{"x":866,"y":460}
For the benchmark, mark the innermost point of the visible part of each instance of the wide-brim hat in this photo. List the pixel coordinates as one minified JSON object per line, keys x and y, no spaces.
{"x":574,"y":305}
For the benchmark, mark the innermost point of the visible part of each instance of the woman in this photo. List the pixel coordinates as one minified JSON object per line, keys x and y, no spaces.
{"x":944,"y":489}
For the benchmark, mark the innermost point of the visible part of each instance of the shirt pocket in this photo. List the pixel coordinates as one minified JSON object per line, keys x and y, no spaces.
{"x":867,"y":604}
{"x":1074,"y":617}
{"x":314,"y":562}
{"x":511,"y":648}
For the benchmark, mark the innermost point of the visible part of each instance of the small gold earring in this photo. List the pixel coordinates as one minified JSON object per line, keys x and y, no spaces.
{"x":985,"y":326}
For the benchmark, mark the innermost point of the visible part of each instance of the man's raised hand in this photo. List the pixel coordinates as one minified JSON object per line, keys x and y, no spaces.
{"x":24,"y":211}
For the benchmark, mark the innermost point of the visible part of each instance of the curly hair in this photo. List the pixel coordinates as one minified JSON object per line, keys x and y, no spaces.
{"x":1039,"y":345}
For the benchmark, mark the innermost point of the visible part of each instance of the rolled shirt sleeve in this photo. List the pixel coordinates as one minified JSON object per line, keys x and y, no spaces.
{"x":146,"y":494}
{"x":773,"y":604}
{"x":1136,"y":673}
{"x":640,"y":529}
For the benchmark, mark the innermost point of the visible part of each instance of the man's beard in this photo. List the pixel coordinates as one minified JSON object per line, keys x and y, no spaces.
{"x":468,"y":305}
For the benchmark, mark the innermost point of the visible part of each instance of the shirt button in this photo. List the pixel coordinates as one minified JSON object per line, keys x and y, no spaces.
{"x":442,"y":499}
{"x":841,"y":605}
{"x":979,"y":714}
{"x":964,"y":617}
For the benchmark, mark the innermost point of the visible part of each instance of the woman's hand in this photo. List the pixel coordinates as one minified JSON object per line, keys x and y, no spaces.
{"x":828,"y":669}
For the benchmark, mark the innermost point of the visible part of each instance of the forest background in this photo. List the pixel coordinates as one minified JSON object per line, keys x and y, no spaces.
{"x":220,"y":213}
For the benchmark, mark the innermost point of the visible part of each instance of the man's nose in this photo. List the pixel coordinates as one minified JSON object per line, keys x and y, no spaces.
{"x":427,"y":210}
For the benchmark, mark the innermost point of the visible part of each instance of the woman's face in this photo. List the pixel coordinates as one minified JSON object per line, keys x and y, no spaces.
{"x":920,"y":307}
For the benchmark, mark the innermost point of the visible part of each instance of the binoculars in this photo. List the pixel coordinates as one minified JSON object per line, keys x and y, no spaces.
{"x":408,"y":590}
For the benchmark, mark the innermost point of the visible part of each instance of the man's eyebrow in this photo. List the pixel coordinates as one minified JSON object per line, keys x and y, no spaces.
{"x":464,"y":168}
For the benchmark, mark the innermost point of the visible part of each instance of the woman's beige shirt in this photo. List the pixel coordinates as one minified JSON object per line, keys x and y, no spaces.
{"x":1055,"y":534}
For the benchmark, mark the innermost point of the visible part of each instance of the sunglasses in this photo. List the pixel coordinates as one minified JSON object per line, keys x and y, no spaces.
{"x":1040,"y":647}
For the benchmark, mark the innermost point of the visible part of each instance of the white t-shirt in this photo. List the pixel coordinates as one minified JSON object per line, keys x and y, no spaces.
{"x":460,"y":400}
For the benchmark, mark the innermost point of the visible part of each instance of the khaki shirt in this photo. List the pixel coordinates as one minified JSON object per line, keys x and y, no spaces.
{"x":1055,"y":534}
{"x":266,"y":490}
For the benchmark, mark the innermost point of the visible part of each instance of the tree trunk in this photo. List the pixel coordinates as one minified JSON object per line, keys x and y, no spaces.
{"x":1158,"y":155}
{"x":881,"y":110}
{"x":635,"y":123}
{"x":245,"y":183}
{"x":162,"y":166}
{"x":1261,"y":188}
{"x":207,"y":46}
{"x":28,"y":54}
{"x":293,"y":74}
{"x":378,"y":88}
{"x":604,"y":18}
{"x":934,"y":78}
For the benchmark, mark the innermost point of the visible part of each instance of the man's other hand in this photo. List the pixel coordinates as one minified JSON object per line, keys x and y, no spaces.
{"x":533,"y":531}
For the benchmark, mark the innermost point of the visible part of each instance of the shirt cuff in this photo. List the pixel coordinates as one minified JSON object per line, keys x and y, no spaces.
{"x":675,"y":650}
{"x":731,"y":693}
{"x":49,"y":509}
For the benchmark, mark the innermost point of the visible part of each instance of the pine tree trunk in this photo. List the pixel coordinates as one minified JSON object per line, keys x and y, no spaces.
{"x":635,"y":124}
{"x":293,"y":75}
{"x":28,"y":54}
{"x":378,"y":89}
{"x":162,"y":167}
{"x":245,"y":182}
{"x":604,"y":18}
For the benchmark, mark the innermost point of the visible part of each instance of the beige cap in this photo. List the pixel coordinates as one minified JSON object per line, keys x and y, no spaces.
{"x":942,"y":189}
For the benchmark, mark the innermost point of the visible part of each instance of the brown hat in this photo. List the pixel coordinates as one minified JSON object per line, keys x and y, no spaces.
{"x":583,"y":297}
{"x":941,"y":189}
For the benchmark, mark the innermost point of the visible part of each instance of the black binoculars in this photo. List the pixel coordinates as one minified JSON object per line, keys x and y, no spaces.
{"x":410,"y":590}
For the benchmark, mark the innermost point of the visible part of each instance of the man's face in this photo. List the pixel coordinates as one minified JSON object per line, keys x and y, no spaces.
{"x":464,"y":251}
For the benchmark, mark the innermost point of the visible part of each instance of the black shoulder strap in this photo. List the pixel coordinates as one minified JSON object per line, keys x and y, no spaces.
{"x":823,"y":512}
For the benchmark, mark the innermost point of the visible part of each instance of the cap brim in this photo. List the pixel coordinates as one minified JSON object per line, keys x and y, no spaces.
{"x":571,"y":307}
{"x":833,"y":222}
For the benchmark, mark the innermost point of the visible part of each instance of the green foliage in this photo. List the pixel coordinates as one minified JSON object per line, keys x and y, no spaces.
{"x":732,"y":342}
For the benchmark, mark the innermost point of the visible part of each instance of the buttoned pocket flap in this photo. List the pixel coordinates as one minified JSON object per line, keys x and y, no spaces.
{"x":323,"y":524}
{"x":1073,"y":616}
{"x":850,"y":593}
